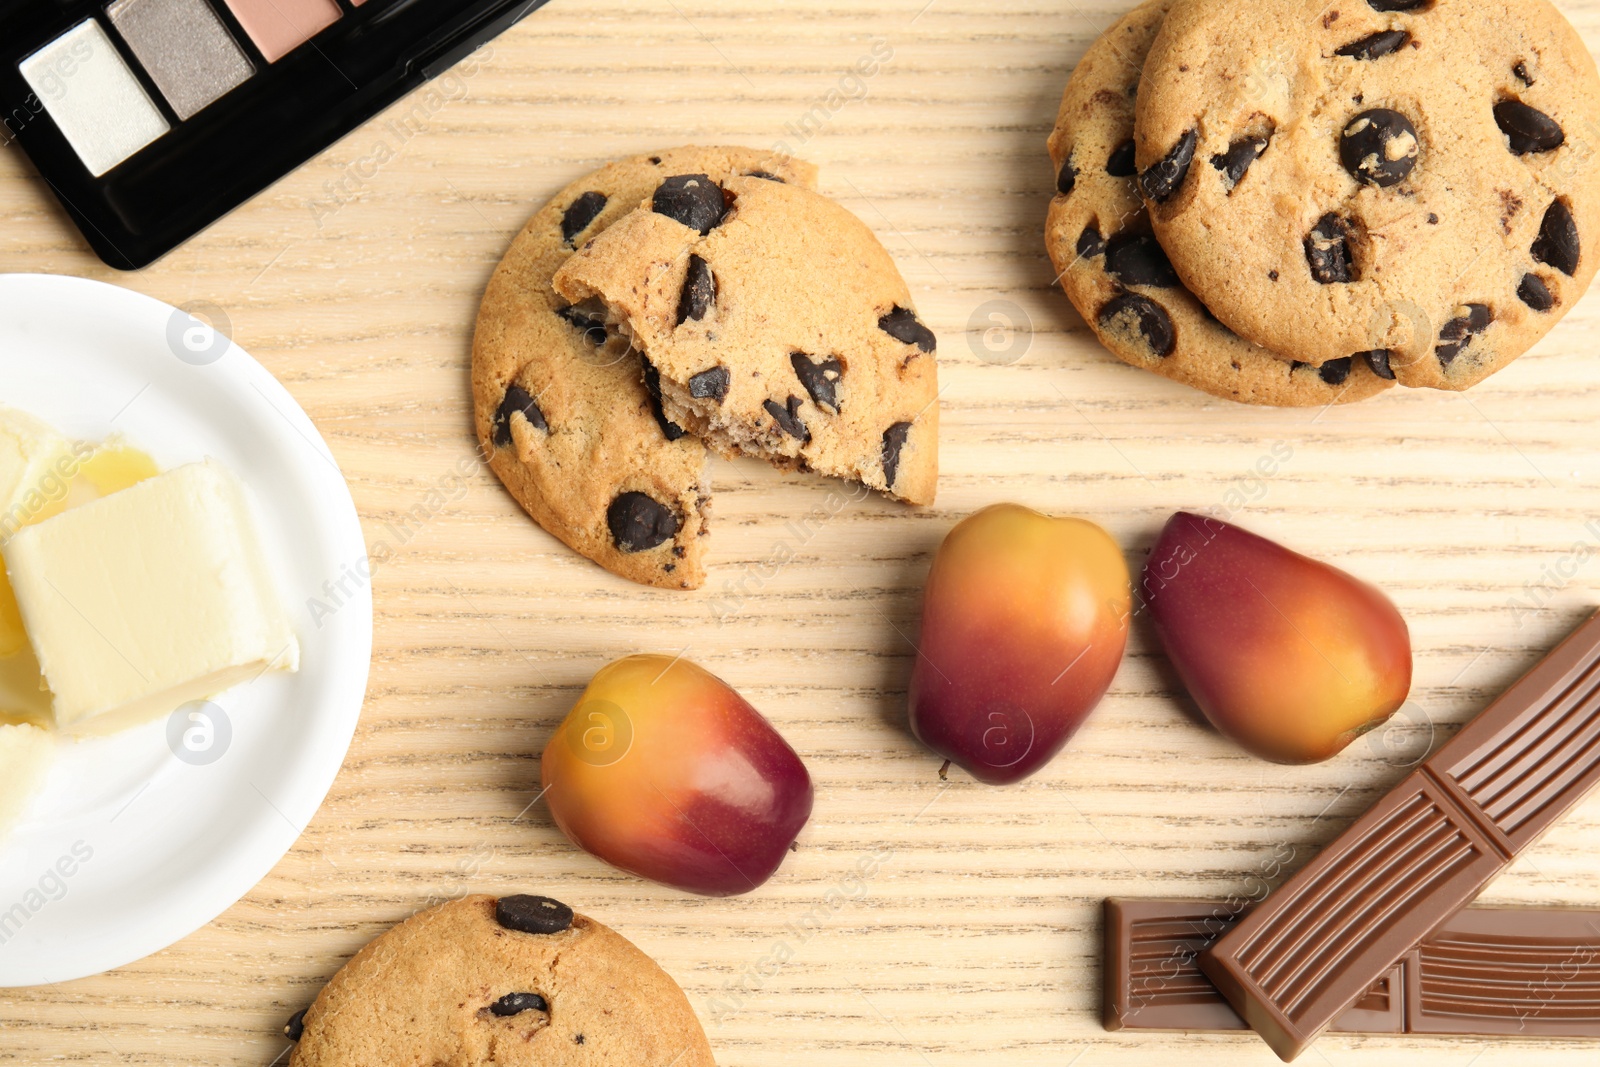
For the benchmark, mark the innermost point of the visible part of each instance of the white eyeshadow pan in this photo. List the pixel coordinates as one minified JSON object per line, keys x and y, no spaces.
{"x":94,"y":98}
{"x":186,"y":49}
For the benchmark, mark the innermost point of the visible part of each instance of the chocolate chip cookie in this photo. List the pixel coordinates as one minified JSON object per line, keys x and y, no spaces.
{"x":562,"y":410}
{"x":773,"y":324}
{"x":514,"y":982}
{"x":1117,"y":275}
{"x":1412,"y":183}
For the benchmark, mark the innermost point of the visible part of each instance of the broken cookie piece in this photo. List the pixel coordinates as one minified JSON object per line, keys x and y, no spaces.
{"x":567,"y":415}
{"x":778,"y":328}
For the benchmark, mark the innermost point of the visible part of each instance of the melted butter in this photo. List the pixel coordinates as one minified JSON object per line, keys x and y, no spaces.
{"x":111,"y":468}
{"x":115,"y":467}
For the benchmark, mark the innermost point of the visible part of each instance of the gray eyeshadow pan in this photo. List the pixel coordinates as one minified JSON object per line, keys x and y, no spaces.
{"x":185,"y":48}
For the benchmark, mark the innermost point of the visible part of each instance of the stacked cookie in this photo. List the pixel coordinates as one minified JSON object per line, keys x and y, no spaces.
{"x":703,"y":297}
{"x":1296,"y":203}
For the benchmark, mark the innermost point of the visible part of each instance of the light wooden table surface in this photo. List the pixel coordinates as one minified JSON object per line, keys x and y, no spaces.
{"x":974,"y":938}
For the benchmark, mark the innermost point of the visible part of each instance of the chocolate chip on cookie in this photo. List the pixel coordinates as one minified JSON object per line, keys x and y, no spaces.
{"x":903,"y":325}
{"x":1336,"y":371}
{"x":894,"y":443}
{"x":639,"y":522}
{"x":1558,"y":244}
{"x":1122,"y":164}
{"x":1528,"y":129}
{"x":820,"y":378}
{"x":1164,"y":178}
{"x":1133,"y":313}
{"x":1379,"y":147}
{"x":1378,"y":360}
{"x":295,"y":1028}
{"x":518,"y":401}
{"x":711,"y":384}
{"x":787,"y":416}
{"x":1376,"y":45}
{"x":533,"y":915}
{"x":652,"y":384}
{"x":581,"y":215}
{"x":518,"y":1003}
{"x":1535,"y":293}
{"x":699,"y":291}
{"x":1236,"y":161}
{"x":1090,"y":242}
{"x":1458,"y":333}
{"x":692,"y":199}
{"x":592,"y":328}
{"x":1328,"y":251}
{"x":1067,"y":178}
{"x":1136,"y":259}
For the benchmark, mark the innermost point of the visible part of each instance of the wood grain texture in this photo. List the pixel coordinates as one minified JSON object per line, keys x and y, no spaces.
{"x":972,"y":935}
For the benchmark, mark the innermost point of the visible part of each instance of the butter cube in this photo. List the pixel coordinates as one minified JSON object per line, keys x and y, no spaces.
{"x":36,"y":467}
{"x":36,"y":463}
{"x":23,"y":697}
{"x":25,"y":755}
{"x":147,"y":599}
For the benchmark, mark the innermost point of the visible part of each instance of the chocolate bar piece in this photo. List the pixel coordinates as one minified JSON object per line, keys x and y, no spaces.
{"x":1485,"y":972}
{"x":1313,"y":948}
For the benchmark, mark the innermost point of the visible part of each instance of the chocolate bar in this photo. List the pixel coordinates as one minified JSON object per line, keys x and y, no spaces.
{"x":1485,"y":972}
{"x":1312,"y":949}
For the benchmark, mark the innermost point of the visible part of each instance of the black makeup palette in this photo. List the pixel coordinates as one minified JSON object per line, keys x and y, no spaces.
{"x":151,"y":119}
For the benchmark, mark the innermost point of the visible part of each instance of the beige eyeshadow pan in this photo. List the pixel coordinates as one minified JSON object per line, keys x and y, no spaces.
{"x":278,"y":27}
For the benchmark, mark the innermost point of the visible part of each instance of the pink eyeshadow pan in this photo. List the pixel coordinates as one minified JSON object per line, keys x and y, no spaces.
{"x":278,"y":27}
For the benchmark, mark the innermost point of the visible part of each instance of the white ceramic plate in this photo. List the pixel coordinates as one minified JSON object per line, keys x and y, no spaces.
{"x":130,"y":848}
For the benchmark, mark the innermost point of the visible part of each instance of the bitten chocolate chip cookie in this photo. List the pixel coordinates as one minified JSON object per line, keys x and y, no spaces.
{"x":1412,"y":182}
{"x":1117,"y":275}
{"x":772,"y":324}
{"x":515,"y":982}
{"x":562,"y":410}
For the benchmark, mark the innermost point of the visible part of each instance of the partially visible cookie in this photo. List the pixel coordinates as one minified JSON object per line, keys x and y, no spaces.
{"x":514,"y":982}
{"x":1117,"y":275}
{"x":773,"y":324}
{"x":1411,"y":178}
{"x":561,"y":409}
